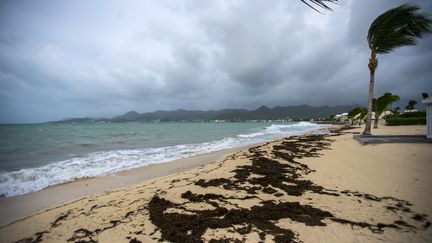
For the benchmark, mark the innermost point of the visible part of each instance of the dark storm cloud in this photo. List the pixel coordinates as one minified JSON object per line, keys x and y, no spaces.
{"x":78,"y":58}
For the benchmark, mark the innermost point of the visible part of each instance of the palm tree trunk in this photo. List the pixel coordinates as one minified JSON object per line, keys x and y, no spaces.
{"x":373,"y":63}
{"x":376,"y":120}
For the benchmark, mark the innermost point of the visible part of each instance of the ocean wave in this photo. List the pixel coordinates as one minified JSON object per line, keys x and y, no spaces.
{"x":283,"y":129}
{"x":106,"y":162}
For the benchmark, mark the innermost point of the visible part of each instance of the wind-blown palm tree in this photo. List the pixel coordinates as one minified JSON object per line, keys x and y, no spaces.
{"x":381,"y":104}
{"x":411,"y":104}
{"x":357,"y":114}
{"x":320,"y":3}
{"x":397,"y":27}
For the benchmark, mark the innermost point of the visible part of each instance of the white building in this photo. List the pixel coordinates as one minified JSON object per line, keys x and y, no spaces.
{"x":428,"y":103}
{"x":385,"y":114}
{"x":341,"y":117}
{"x":413,"y":110}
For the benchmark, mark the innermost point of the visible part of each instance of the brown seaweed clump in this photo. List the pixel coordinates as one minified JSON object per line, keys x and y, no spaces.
{"x":278,"y":174}
{"x":270,"y":181}
{"x":177,"y":227}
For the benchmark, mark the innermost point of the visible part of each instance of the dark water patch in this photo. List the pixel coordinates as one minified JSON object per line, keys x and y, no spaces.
{"x":87,"y":145}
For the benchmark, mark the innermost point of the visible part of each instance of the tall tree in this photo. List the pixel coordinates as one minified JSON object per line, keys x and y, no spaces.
{"x":381,"y":104}
{"x":396,"y":110}
{"x":411,"y":104}
{"x":357,"y":114}
{"x":397,"y":27}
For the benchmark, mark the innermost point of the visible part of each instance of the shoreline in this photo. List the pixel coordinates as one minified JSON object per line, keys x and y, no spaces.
{"x":19,"y":207}
{"x":22,"y":206}
{"x":303,"y":188}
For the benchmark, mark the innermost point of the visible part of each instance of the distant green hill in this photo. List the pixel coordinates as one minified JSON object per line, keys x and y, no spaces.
{"x":262,"y":113}
{"x":279,"y":112}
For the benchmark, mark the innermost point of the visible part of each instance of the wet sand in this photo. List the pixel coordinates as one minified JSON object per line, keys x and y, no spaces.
{"x":310,"y":188}
{"x":14,"y":208}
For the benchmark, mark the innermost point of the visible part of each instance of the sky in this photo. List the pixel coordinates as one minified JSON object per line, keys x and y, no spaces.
{"x":85,"y":58}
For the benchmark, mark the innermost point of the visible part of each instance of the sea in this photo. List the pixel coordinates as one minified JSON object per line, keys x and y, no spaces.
{"x":36,"y":156}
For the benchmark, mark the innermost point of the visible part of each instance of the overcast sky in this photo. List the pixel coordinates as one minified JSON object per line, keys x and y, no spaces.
{"x":103,"y":58}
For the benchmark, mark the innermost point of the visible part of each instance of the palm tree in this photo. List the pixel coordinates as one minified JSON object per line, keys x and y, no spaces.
{"x":380,"y":105}
{"x":319,"y":3}
{"x":411,"y":104}
{"x":396,"y":110}
{"x":357,"y":114}
{"x":397,"y":27}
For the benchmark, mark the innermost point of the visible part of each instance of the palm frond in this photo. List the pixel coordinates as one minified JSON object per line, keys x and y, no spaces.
{"x":319,"y":3}
{"x":357,"y":114}
{"x":383,"y":101}
{"x":398,"y":27}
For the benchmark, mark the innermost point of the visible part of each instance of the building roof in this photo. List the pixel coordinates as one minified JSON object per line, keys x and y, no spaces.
{"x":428,"y":100}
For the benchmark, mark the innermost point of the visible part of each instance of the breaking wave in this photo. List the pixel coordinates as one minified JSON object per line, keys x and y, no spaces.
{"x":105,"y":162}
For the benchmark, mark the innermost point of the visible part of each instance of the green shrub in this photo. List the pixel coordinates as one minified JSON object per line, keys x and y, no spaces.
{"x":409,"y":114}
{"x":406,"y":121}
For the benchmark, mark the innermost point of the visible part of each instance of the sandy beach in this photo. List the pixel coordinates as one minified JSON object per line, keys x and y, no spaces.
{"x":14,"y":208}
{"x":311,"y":188}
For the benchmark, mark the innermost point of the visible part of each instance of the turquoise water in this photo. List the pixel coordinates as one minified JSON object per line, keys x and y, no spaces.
{"x":24,"y":146}
{"x":33,"y":157}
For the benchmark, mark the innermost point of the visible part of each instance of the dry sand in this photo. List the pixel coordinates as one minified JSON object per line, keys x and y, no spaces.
{"x":311,"y":188}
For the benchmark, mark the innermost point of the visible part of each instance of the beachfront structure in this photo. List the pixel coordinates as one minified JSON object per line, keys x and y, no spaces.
{"x":341,"y":117}
{"x":385,"y":114}
{"x":428,"y":103}
{"x":412,"y":110}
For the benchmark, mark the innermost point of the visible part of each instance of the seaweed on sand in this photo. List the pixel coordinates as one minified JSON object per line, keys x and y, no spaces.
{"x":279,"y":174}
{"x":271,"y":179}
{"x":177,"y":227}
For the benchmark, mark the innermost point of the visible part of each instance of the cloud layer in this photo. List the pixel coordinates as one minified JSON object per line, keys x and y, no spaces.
{"x":75,"y":58}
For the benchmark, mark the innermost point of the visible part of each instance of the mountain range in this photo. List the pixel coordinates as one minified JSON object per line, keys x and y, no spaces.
{"x":301,"y":112}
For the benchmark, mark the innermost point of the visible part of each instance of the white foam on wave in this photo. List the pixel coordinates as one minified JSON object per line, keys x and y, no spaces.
{"x":101,"y":163}
{"x":282,"y":129}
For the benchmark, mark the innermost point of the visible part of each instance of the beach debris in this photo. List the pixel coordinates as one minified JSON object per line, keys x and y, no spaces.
{"x":60,"y":218}
{"x":36,"y":238}
{"x":82,"y":235}
{"x":256,"y":199}
{"x":277,"y":173}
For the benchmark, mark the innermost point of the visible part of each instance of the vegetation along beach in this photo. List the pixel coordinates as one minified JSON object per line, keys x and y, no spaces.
{"x":215,"y":121}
